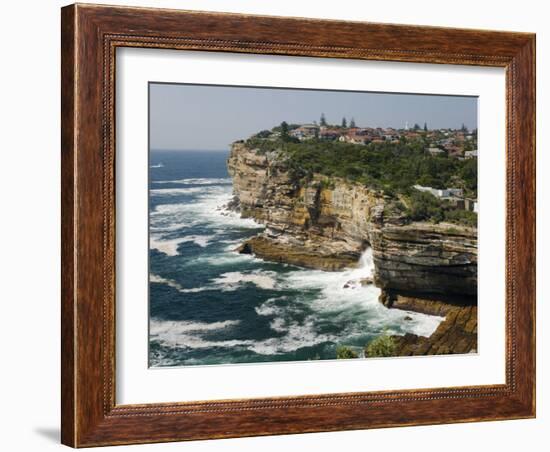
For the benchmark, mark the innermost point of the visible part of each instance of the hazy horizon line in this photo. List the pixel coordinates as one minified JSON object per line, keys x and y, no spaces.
{"x":186,"y":149}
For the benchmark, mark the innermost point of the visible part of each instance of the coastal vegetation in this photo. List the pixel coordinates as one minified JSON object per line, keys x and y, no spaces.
{"x":426,"y":207}
{"x":393,"y":168}
{"x":319,"y":214}
{"x":344,"y":352}
{"x":381,"y":346}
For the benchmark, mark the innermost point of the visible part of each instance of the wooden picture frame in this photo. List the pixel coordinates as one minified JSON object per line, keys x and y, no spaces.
{"x":90,"y":36}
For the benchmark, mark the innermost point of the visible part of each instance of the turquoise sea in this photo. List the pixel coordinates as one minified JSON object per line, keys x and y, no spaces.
{"x":211,"y":305}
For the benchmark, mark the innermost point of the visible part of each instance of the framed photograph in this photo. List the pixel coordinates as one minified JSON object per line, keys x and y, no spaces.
{"x":282,"y":225}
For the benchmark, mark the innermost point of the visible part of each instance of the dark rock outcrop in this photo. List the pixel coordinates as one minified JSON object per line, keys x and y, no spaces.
{"x":310,"y":255}
{"x":426,"y":258}
{"x":457,"y":334}
{"x":431,"y":304}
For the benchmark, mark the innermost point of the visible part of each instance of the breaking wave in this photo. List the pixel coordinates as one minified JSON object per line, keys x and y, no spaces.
{"x":191,"y":335}
{"x":233,"y":280}
{"x":196,"y":181}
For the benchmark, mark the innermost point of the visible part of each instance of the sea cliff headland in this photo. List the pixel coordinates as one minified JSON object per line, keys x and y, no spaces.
{"x":322,"y":219}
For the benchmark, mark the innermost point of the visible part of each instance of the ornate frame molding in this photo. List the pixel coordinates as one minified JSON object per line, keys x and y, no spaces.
{"x":90,"y":37}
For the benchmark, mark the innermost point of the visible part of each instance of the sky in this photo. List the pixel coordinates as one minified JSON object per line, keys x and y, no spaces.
{"x":212,"y":117}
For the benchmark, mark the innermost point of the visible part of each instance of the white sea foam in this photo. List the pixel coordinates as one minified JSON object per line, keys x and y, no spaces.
{"x":233,"y":280}
{"x":225,"y":259}
{"x":185,"y":334}
{"x":201,"y":240}
{"x":174,"y":333}
{"x":168,"y":247}
{"x":196,"y":181}
{"x":334,"y":296}
{"x":171,"y":283}
{"x":298,"y":335}
{"x":207,"y":207}
{"x":160,"y":280}
{"x":227,"y":282}
{"x":174,"y":326}
{"x":356,"y":301}
{"x":159,"y":228}
{"x":270,"y":307}
{"x":422,"y":324}
{"x":176,"y":191}
{"x":230,"y":219}
{"x":279,"y":324}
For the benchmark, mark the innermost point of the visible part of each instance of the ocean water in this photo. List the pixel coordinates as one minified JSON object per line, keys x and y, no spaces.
{"x":210,"y":305}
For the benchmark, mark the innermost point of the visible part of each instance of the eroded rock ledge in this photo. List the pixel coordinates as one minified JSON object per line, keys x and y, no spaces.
{"x":457,"y":334}
{"x":308,"y":254}
{"x":327,"y":223}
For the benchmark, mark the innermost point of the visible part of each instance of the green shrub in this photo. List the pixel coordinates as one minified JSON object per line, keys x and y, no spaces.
{"x":393,"y":167}
{"x":327,"y":183}
{"x":424,"y":206}
{"x":390,"y":167}
{"x":465,"y":217}
{"x":344,"y":352}
{"x":263,"y":134}
{"x":381,"y":346}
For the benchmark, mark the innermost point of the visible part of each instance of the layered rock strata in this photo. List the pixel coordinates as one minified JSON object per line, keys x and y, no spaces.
{"x":456,"y":334}
{"x":327,"y":223}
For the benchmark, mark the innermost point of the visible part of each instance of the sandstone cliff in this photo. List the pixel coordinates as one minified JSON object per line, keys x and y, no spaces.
{"x":327,"y":223}
{"x":456,"y":334}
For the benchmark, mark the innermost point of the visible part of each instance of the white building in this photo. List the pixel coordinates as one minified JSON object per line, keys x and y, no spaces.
{"x":441,"y":192}
{"x":305,"y":132}
{"x":435,"y":151}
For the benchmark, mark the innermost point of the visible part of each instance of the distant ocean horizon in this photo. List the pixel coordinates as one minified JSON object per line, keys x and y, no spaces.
{"x":168,"y":151}
{"x":208,"y":304}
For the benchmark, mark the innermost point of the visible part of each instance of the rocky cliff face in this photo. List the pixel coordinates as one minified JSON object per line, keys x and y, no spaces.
{"x":456,"y":334}
{"x":426,"y":258}
{"x":327,"y":224}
